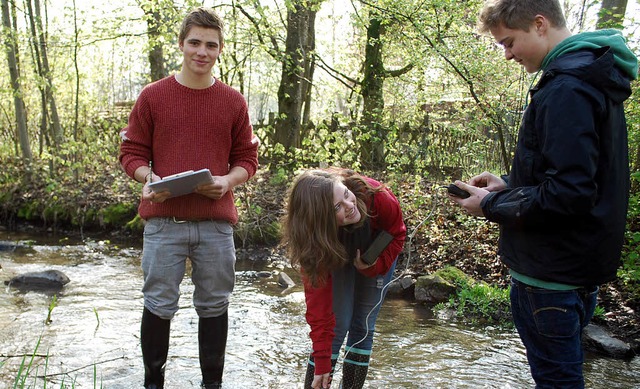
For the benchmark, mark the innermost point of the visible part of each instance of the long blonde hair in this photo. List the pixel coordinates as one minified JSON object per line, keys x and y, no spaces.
{"x":309,"y":226}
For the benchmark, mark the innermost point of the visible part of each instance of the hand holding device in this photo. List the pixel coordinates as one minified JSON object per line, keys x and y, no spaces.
{"x":380,"y":242}
{"x":488,"y":181}
{"x":182,"y":183}
{"x":457,"y":191}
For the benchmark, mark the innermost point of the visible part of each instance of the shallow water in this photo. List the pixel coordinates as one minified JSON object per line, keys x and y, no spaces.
{"x":93,"y":338}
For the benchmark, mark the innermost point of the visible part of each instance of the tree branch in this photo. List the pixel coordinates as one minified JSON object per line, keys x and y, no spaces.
{"x":274,"y":51}
{"x":399,"y":72}
{"x":81,"y":368}
{"x":337,"y":75}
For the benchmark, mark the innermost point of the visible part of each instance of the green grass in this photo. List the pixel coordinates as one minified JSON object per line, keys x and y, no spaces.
{"x":27,"y":370}
{"x":477,"y":302}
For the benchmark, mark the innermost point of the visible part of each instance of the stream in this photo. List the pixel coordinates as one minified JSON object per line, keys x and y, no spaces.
{"x":92,"y":339}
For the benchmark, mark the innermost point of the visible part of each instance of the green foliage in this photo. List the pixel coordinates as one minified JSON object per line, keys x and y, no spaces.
{"x":25,"y":370}
{"x":629,"y":272}
{"x":256,"y":226}
{"x":442,"y":149}
{"x":52,"y":304}
{"x":481,"y":302}
{"x":599,"y":312}
{"x":455,"y":276}
{"x":28,"y":373}
{"x":418,"y":199}
{"x":135,"y":225}
{"x":29,"y":210}
{"x":76,"y":186}
{"x":95,"y":311}
{"x":280,"y":177}
{"x":117,"y":214}
{"x":324,"y":144}
{"x":632,"y":113}
{"x":476,"y":302}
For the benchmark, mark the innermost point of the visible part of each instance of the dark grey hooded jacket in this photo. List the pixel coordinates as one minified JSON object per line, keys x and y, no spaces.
{"x":563,"y":215}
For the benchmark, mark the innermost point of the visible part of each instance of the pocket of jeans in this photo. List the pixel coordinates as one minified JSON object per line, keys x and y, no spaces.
{"x":223,"y":227}
{"x":154,"y":225}
{"x":554,"y":312}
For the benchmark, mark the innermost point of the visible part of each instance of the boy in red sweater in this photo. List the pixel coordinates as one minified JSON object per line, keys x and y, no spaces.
{"x":189,"y":121}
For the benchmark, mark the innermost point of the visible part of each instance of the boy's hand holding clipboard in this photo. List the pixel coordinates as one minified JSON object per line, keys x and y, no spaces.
{"x":182,"y":183}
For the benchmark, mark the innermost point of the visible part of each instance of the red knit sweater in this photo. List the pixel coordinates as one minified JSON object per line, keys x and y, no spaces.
{"x":320,"y":315}
{"x":179,"y":128}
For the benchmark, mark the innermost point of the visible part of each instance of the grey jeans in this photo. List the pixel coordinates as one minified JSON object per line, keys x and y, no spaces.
{"x":210,"y":247}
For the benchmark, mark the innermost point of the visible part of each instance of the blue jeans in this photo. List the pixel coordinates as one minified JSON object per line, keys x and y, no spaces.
{"x":356,"y":302}
{"x":210,"y":247}
{"x":550,"y":324}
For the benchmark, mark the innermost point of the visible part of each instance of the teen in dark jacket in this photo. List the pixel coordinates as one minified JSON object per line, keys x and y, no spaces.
{"x":562,"y":210}
{"x":563,"y":214}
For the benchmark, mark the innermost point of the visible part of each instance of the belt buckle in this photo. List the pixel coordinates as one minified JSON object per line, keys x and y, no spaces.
{"x":178,"y":221}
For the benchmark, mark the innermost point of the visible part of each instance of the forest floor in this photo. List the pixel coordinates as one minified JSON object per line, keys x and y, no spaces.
{"x":439,"y":234}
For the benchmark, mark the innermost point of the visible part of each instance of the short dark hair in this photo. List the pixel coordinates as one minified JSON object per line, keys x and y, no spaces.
{"x":519,"y":14}
{"x":201,"y":17}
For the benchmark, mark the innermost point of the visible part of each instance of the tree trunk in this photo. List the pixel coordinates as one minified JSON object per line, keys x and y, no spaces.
{"x":235,"y":72}
{"x":44,"y":136}
{"x":76,"y":106}
{"x":21,"y":119}
{"x":45,"y":74}
{"x":611,"y":14}
{"x":373,"y":136}
{"x":297,"y":68}
{"x":635,"y":184}
{"x":290,"y":90}
{"x":156,"y":52}
{"x":307,"y":82}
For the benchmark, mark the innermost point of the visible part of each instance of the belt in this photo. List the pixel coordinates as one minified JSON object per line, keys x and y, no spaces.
{"x":189,"y":220}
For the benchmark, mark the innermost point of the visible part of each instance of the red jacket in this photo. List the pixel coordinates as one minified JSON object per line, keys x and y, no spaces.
{"x":386,"y":215}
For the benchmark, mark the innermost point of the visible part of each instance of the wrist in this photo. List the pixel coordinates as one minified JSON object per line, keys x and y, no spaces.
{"x":144,"y":177}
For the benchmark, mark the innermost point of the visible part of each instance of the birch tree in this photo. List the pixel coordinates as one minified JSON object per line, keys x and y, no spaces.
{"x":49,"y":106}
{"x":14,"y":72}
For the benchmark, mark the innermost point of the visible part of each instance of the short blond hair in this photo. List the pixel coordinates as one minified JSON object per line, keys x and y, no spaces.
{"x":519,"y":14}
{"x":201,"y":17}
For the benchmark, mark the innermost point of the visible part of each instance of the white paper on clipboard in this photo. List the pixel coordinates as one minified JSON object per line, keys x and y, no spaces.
{"x":182,"y":183}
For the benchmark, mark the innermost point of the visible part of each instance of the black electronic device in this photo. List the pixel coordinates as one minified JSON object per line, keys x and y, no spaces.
{"x":378,"y":245}
{"x":458,"y":192}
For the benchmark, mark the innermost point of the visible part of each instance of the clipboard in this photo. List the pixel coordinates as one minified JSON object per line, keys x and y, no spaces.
{"x":182,"y":183}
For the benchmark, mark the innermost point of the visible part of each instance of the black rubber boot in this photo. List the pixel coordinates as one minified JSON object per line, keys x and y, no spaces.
{"x":212,"y":342}
{"x":354,"y":370}
{"x":308,"y":375}
{"x":311,"y":368}
{"x":154,"y":339}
